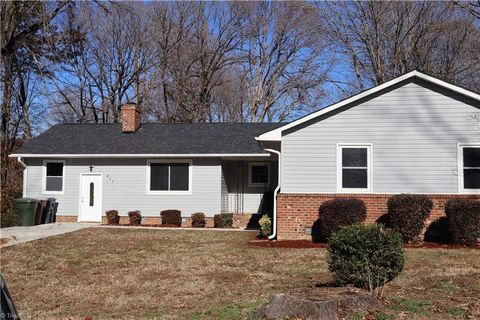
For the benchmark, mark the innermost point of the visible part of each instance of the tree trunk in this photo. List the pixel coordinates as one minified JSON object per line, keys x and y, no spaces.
{"x":7,"y":62}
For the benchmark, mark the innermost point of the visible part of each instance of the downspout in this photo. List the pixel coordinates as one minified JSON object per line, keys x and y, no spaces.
{"x":24,"y":189}
{"x":274,"y":229}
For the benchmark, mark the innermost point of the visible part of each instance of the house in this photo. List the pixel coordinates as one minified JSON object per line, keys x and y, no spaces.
{"x":413,"y":134}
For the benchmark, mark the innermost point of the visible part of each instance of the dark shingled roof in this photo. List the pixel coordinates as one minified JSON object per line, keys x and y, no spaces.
{"x":151,"y":138}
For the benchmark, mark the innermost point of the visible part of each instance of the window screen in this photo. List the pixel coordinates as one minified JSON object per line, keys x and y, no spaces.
{"x":355,"y":168}
{"x":471,"y":168}
{"x":54,"y":176}
{"x":169,"y":176}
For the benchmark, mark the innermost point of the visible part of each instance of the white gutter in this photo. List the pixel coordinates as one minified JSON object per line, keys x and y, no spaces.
{"x":24,"y":189}
{"x":274,"y":228}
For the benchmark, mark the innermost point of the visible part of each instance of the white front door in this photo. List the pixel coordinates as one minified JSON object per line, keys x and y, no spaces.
{"x":91,"y":197}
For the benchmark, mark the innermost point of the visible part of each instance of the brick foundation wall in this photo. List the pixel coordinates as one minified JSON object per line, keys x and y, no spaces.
{"x":67,"y":218}
{"x":240,"y":221}
{"x":295,"y":212}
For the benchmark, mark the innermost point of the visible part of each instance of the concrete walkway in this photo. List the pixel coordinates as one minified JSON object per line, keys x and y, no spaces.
{"x":15,"y":235}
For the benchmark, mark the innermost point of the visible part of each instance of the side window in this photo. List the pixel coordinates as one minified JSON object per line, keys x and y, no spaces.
{"x":353,"y":167}
{"x":258,"y":174}
{"x":169,"y":176}
{"x":53,"y":179}
{"x":470,"y":168}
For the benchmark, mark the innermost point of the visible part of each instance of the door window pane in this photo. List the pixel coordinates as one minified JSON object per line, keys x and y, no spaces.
{"x":92,"y":191}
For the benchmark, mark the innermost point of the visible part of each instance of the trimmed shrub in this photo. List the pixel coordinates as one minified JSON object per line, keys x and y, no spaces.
{"x":112,"y":217}
{"x":172,"y":217}
{"x":135,"y":218}
{"x":407,"y":214}
{"x":439,"y":231}
{"x":265,"y":226}
{"x":339,"y":212}
{"x":198,"y":220}
{"x":366,"y":256}
{"x":8,"y":214}
{"x":223,"y":220}
{"x":464,"y":220}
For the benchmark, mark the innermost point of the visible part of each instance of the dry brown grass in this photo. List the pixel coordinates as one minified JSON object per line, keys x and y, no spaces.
{"x":169,"y":274}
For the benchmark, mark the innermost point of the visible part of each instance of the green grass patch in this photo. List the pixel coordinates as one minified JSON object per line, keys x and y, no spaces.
{"x":243,"y":310}
{"x":410,"y":305}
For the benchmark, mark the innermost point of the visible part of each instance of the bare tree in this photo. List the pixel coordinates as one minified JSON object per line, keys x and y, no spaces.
{"x":26,"y":49}
{"x":285,"y":62}
{"x":385,"y":39}
{"x":108,"y":67}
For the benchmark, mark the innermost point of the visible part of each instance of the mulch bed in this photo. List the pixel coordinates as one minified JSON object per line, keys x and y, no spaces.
{"x":307,"y":244}
{"x":436,"y":245}
{"x":144,"y":225}
{"x":294,"y":244}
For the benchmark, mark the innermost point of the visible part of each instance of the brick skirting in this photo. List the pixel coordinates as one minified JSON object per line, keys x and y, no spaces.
{"x":239,"y":220}
{"x":67,"y":218}
{"x":297,"y":212}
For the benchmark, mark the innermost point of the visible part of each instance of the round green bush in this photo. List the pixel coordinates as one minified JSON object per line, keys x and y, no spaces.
{"x":407,"y":214}
{"x":198,"y":220}
{"x":135,"y":218}
{"x":265,"y":226}
{"x":112,"y":217}
{"x":464,"y":220}
{"x":223,"y":220}
{"x":366,"y":256}
{"x":339,"y":212}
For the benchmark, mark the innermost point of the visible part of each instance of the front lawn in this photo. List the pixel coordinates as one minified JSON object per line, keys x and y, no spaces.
{"x":170,"y":274}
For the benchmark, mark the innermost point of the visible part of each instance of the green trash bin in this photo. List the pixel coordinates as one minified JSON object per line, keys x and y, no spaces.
{"x":26,"y":208}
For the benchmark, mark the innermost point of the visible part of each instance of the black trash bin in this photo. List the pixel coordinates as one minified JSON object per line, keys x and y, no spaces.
{"x":55,"y":207}
{"x":49,"y":211}
{"x":42,"y":203}
{"x":26,"y":209}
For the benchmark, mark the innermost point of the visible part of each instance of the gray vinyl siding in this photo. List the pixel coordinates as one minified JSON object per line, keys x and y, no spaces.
{"x":414,"y":132}
{"x":240,"y":196}
{"x":124,"y":187}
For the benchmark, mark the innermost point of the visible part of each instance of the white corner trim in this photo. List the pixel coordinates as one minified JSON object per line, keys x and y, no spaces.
{"x":461,"y":189}
{"x":276,"y":134}
{"x":339,"y":166}
{"x":250,"y":183}
{"x":44,"y":177}
{"x":169,"y":192}
{"x":140,"y":155}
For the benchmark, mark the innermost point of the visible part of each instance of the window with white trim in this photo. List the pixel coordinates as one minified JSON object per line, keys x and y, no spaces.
{"x":258,"y":174}
{"x":470,"y":167}
{"x":53,"y":176}
{"x":353,"y":168}
{"x":169,"y":176}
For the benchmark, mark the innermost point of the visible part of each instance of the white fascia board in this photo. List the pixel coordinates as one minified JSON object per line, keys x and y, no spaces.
{"x":276,"y":134}
{"x":149,"y":155}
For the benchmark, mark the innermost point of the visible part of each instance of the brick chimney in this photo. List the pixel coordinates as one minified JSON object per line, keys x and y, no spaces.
{"x":130,"y":117}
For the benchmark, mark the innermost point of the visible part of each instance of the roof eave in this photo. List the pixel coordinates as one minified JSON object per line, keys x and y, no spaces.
{"x":149,"y":155}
